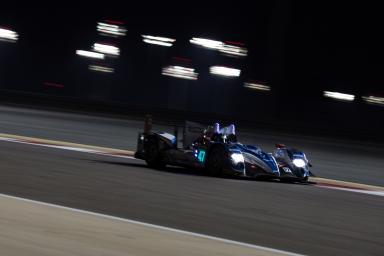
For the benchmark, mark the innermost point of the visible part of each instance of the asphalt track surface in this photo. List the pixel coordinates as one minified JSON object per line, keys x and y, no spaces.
{"x":356,"y":161}
{"x":34,"y":228}
{"x":298,"y":218}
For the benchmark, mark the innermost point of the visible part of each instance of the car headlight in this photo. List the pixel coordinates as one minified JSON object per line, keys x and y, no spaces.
{"x":300,"y":163}
{"x":237,"y":158}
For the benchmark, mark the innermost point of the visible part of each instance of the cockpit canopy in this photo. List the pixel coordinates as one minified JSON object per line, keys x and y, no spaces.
{"x":195,"y":132}
{"x":225,"y":134}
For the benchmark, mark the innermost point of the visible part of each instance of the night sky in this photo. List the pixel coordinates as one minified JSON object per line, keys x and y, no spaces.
{"x":299,"y":48}
{"x":334,"y":44}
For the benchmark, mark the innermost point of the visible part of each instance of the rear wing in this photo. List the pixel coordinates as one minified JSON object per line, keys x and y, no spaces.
{"x":190,"y":131}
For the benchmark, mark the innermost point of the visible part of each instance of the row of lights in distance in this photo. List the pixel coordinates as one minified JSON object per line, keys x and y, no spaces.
{"x":116,"y":31}
{"x":226,"y":48}
{"x":184,"y":72}
{"x":101,"y":50}
{"x":190,"y":74}
{"x":350,"y":97}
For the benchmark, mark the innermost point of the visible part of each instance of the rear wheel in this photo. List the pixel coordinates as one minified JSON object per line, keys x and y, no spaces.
{"x":215,"y":161}
{"x":152,"y":153}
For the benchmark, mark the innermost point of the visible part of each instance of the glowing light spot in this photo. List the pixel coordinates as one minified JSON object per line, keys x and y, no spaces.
{"x":180,"y":72}
{"x":101,"y":68}
{"x":149,"y":41}
{"x":339,"y":96}
{"x":374,"y":100}
{"x":106,"y":48}
{"x":255,"y":86}
{"x":89,"y":54}
{"x":111,"y":29}
{"x":234,"y":50}
{"x":224,"y":71}
{"x":158,"y":40}
{"x":8,"y":35}
{"x":227,"y":48}
{"x":208,"y":43}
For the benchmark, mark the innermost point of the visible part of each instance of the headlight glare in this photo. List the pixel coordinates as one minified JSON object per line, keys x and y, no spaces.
{"x":298,"y":162}
{"x":237,"y":158}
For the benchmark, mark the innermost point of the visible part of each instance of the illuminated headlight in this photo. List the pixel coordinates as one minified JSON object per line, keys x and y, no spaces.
{"x":237,"y":158}
{"x":299,"y":162}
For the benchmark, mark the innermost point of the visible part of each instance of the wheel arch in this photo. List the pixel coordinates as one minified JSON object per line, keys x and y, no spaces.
{"x":211,"y":148}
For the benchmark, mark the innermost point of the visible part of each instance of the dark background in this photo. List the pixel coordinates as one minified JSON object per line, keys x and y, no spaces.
{"x":298,"y":48}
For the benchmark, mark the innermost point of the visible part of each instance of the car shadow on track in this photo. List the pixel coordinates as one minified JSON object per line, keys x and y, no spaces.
{"x":191,"y":172}
{"x":170,"y":169}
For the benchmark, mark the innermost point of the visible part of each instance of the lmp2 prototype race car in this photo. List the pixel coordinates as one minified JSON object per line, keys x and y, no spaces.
{"x":217,"y":151}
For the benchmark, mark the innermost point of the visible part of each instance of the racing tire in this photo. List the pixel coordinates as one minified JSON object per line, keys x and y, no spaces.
{"x":215,"y":161}
{"x":152,"y":153}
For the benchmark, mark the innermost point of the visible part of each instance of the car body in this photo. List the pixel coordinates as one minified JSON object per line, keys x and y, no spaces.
{"x":293,"y":163}
{"x":213,"y":150}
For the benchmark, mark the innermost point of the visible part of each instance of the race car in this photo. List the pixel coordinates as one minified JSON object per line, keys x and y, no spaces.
{"x":213,"y":150}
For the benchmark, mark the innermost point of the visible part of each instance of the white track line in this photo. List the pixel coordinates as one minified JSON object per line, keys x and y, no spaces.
{"x":362,"y":191}
{"x":71,"y":148}
{"x":267,"y":249}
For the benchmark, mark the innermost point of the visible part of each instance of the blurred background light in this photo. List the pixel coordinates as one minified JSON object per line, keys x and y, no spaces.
{"x":157,"y":40}
{"x":180,"y":72}
{"x":101,"y":68}
{"x":233,"y":50}
{"x":208,"y":43}
{"x":224,"y":71}
{"x":107,"y":49}
{"x":89,"y":54}
{"x":339,"y":96}
{"x":374,"y":100}
{"x":257,"y":86}
{"x":8,"y":35}
{"x":228,"y":48}
{"x":111,"y":29}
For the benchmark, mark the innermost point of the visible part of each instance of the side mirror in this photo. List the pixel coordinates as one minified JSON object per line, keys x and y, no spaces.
{"x":309,"y":164}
